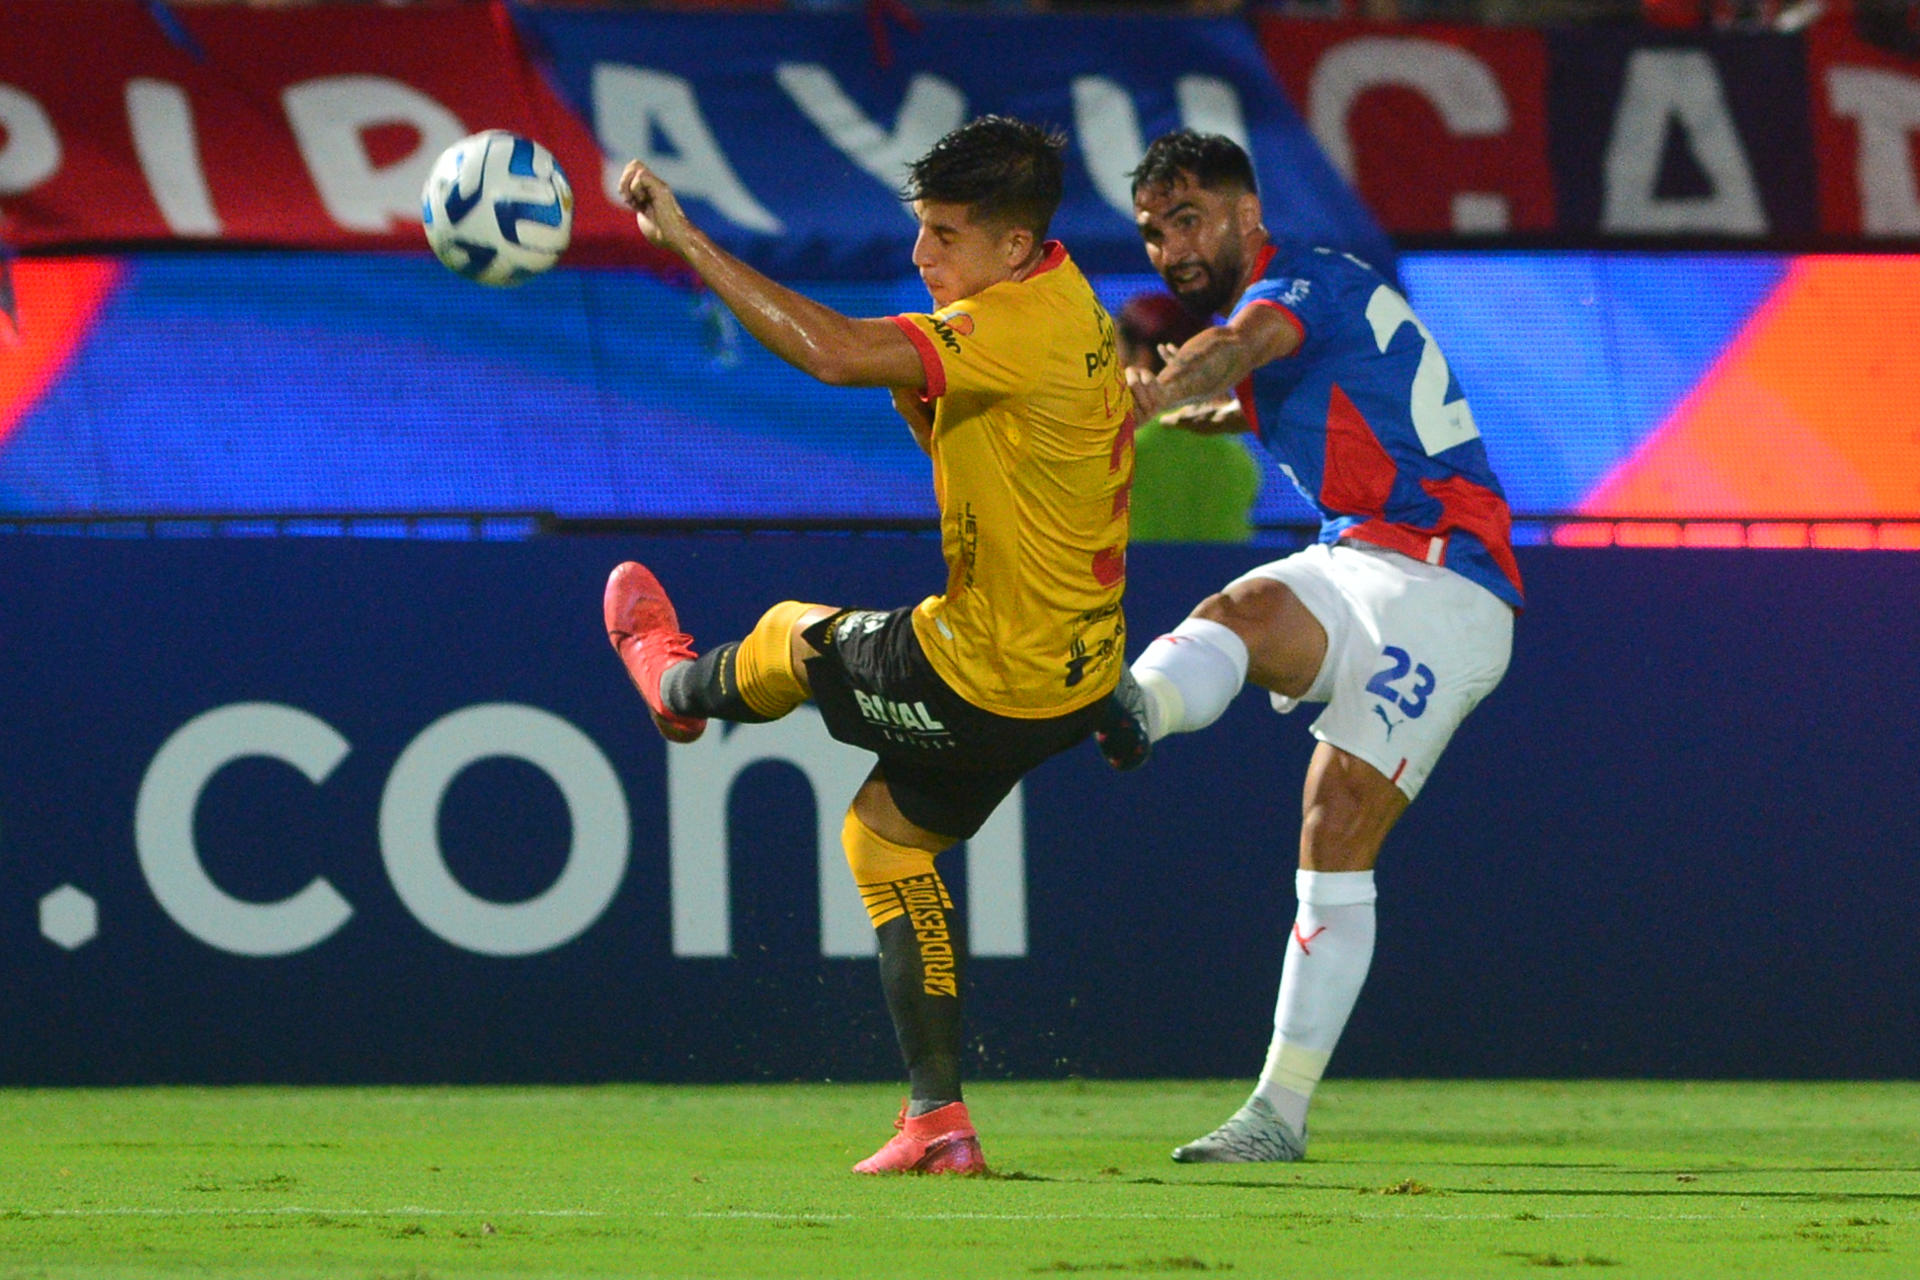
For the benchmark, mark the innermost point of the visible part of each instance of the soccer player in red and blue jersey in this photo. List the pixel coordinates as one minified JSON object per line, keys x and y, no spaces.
{"x":1399,"y":619}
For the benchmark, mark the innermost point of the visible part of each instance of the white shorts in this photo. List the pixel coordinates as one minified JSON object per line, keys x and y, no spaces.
{"x":1411,"y":648}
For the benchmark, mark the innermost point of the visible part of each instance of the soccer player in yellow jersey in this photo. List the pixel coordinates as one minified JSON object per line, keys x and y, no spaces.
{"x":1012,"y":387}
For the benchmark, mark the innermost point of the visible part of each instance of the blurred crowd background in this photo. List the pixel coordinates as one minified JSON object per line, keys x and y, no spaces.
{"x":1886,"y":21}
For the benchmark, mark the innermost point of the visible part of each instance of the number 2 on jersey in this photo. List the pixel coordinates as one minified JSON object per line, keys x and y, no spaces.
{"x":1440,"y":424}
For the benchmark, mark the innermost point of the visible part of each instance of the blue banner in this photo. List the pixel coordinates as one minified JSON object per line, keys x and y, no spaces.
{"x":788,"y":136}
{"x":333,"y":809}
{"x":300,"y":384}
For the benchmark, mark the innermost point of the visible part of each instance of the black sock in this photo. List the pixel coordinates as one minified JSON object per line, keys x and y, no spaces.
{"x":708,"y":687}
{"x":921,"y":978}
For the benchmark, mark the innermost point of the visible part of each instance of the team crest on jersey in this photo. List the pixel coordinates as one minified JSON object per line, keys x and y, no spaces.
{"x":1296,"y":293}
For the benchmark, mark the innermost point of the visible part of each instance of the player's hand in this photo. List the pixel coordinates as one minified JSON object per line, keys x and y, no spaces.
{"x":654,"y":206}
{"x":1148,"y":397}
{"x":1208,"y":418}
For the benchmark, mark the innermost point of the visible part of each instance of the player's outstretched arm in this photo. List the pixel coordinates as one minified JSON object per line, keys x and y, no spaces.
{"x":813,"y":338}
{"x":1217,"y":359}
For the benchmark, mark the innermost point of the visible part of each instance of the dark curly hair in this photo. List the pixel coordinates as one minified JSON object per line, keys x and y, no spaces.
{"x":1210,"y":160}
{"x":1006,"y":171}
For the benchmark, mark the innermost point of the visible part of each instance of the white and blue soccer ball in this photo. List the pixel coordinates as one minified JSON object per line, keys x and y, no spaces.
{"x":496,"y":208}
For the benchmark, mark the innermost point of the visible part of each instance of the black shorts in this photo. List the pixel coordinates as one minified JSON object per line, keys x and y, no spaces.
{"x":948,"y":763}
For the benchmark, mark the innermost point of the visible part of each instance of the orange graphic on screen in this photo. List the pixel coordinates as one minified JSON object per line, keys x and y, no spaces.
{"x":1810,"y":412}
{"x":57,"y":300}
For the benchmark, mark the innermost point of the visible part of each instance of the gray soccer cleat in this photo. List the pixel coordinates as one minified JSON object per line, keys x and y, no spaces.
{"x":1122,"y":734}
{"x":1254,"y":1134}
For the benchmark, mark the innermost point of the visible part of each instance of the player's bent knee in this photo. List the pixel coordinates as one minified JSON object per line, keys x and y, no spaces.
{"x":1250,"y":604}
{"x":1286,"y":643}
{"x":771,"y":682}
{"x":879,"y":865}
{"x":874,"y":859}
{"x":799,"y":648}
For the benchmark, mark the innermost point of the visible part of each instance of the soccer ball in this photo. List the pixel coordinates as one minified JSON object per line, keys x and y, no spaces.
{"x":496,"y":208}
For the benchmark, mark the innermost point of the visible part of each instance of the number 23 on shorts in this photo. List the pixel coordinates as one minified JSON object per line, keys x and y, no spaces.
{"x":1412,"y":699}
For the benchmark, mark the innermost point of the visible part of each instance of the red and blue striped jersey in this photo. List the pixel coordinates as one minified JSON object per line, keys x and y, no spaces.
{"x":1370,"y":424}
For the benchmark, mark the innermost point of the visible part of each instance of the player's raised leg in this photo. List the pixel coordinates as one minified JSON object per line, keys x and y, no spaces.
{"x":1255,"y":630}
{"x":752,"y":680}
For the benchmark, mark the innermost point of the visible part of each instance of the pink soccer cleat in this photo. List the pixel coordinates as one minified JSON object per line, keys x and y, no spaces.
{"x":646,"y":634}
{"x":941,"y":1141}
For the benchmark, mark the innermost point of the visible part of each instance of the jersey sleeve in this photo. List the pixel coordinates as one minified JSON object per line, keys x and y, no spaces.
{"x":977,"y":345}
{"x":1291,"y":296}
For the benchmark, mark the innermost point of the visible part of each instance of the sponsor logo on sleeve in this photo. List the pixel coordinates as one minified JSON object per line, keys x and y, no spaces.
{"x":951,"y":329}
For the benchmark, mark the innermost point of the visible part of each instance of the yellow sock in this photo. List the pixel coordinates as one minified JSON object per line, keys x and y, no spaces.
{"x":898,"y":880}
{"x":881,"y":868}
{"x":763,"y":666}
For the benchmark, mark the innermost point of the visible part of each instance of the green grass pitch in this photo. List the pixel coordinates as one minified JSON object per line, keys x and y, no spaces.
{"x":1405,"y":1179}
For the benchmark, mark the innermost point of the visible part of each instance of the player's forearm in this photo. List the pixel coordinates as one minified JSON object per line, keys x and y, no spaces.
{"x":808,"y":335}
{"x":1212,"y":362}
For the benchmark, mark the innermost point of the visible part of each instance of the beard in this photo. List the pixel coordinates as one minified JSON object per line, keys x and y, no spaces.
{"x":1210,"y":295}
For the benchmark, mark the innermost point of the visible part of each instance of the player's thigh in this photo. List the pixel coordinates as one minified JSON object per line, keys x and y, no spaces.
{"x":955,"y":791}
{"x":874,"y":687}
{"x":1286,"y":643}
{"x":941,"y":804}
{"x":945,"y":764}
{"x":1300,"y":616}
{"x":1422,"y":648}
{"x":876,"y":805}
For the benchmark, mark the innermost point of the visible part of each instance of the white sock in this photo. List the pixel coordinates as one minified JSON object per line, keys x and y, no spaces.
{"x":1328,"y":955}
{"x":1190,"y":676}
